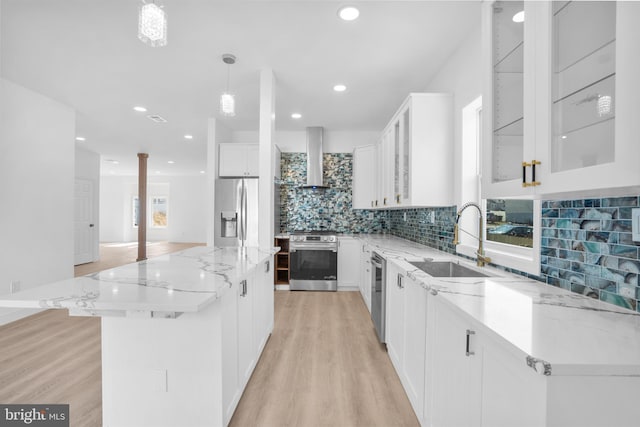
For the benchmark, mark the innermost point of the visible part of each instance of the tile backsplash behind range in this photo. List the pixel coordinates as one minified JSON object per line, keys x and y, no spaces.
{"x":304,"y":209}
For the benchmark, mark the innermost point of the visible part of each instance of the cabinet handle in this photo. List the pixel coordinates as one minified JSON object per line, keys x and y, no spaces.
{"x":469,"y":333}
{"x":524,"y":173}
{"x":385,"y":201}
{"x":533,"y":172}
{"x":376,"y":203}
{"x":397,"y":198}
{"x":267,"y":266}
{"x":400,"y":285}
{"x":372,"y":203}
{"x":243,"y":293}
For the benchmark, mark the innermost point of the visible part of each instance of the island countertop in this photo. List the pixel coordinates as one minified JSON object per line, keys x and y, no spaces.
{"x":164,"y":286}
{"x":570,"y":333}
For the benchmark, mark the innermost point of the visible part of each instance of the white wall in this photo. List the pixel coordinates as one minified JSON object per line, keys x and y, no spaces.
{"x":36,"y":189}
{"x":87,"y":166}
{"x":462,"y":76}
{"x":186,"y":212}
{"x":296,"y":141}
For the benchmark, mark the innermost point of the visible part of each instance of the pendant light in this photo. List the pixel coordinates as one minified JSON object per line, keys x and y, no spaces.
{"x":227,"y":99}
{"x":152,"y":24}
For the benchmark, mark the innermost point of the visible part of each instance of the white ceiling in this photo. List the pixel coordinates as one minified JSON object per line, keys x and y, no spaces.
{"x":85,"y":53}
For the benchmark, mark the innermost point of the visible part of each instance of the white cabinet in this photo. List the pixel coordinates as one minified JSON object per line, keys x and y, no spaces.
{"x":394,"y":328}
{"x":454,"y":369}
{"x":559,"y":111}
{"x":365,"y":275}
{"x":406,"y":332}
{"x":247,"y":321}
{"x":415,"y":154}
{"x":364,"y":176}
{"x":238,"y":160}
{"x":348,"y":259}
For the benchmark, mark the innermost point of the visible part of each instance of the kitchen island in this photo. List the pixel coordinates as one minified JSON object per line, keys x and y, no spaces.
{"x":181,"y":333}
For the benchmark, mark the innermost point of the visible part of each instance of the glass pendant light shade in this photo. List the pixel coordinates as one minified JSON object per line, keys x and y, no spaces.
{"x":604,"y":105}
{"x":152,"y":25}
{"x":227,"y":104}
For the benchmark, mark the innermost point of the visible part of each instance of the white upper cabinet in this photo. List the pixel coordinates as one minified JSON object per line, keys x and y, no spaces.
{"x":415,"y":154}
{"x":560,"y":110}
{"x":364,"y":176}
{"x":238,"y":160}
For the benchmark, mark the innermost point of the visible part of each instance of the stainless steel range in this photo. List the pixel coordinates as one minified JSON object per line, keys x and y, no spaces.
{"x":313,"y":261}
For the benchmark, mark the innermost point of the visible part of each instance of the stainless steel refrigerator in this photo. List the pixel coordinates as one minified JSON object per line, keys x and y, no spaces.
{"x":236,"y":222}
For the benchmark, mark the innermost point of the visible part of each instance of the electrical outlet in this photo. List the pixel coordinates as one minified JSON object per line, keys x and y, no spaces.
{"x":405,"y":217}
{"x":635,"y":224}
{"x":15,"y":286}
{"x":432,"y":217}
{"x":370,"y":215}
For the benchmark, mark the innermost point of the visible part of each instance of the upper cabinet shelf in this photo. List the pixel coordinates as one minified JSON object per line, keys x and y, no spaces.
{"x":561,"y":96}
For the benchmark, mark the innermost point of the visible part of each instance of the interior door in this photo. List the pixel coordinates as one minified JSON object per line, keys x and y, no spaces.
{"x":85,"y":234}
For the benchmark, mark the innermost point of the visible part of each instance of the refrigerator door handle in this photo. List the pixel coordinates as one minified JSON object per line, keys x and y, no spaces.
{"x":242,"y":213}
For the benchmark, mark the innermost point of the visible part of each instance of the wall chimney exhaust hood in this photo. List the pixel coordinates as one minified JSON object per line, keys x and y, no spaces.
{"x":314,"y":159}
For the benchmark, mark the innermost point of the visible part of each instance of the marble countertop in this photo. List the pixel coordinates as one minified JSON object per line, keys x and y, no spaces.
{"x":163,"y":286}
{"x":570,"y":333}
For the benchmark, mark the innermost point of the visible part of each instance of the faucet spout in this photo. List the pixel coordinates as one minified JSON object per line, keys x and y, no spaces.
{"x":481,"y":259}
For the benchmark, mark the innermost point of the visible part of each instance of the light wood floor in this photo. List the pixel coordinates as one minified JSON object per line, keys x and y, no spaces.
{"x":322,"y":365}
{"x":51,"y":357}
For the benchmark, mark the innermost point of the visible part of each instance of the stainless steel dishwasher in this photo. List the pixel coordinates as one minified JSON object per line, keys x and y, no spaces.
{"x":378,"y":293}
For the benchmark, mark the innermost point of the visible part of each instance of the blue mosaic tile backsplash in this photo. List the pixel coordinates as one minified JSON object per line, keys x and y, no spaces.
{"x":418,"y":228}
{"x":304,"y":209}
{"x":586,"y":247}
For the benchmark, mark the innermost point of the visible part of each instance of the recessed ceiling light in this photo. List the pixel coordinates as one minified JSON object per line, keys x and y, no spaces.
{"x":157,"y":171}
{"x":519,"y":17}
{"x":339,"y":88}
{"x":188,"y":137}
{"x":171,"y":162}
{"x":564,"y":136}
{"x":112,"y":161}
{"x":348,"y":13}
{"x":140,"y":109}
{"x":202,"y":172}
{"x":81,"y":138}
{"x":156,"y":118}
{"x":296,"y":115}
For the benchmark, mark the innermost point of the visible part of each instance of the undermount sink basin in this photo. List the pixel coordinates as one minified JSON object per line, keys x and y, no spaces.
{"x":447,"y":269}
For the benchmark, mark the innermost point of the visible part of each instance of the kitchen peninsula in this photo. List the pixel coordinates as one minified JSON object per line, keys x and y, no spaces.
{"x":181,"y":333}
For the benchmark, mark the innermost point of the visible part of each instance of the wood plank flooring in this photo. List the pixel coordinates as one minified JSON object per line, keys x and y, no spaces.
{"x":322,"y":366}
{"x":51,"y":357}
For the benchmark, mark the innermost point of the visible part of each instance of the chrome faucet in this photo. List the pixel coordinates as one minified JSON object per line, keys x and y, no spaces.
{"x":481,"y":259}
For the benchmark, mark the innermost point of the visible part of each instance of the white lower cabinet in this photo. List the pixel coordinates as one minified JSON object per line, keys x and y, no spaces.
{"x":348,"y":258}
{"x":406,"y":333}
{"x":365,"y":275}
{"x":394,"y":328}
{"x":247,"y":321}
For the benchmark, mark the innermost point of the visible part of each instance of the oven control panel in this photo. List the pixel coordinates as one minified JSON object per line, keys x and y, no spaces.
{"x":314,"y":239}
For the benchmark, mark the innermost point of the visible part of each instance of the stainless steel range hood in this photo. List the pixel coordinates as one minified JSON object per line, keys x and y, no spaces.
{"x":314,"y":159}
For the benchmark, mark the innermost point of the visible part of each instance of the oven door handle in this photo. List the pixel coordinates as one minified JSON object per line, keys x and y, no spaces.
{"x":376,"y":264}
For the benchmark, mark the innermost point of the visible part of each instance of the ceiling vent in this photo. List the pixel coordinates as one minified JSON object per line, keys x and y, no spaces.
{"x":156,"y":118}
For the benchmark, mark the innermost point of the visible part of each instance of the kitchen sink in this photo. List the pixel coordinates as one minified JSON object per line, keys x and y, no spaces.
{"x":447,"y":269}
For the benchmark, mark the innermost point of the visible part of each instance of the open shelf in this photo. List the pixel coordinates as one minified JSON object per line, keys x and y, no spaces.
{"x":281,"y":262}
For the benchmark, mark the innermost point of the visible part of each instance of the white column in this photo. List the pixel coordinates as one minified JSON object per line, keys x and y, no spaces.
{"x":267,"y":153}
{"x":212,"y":159}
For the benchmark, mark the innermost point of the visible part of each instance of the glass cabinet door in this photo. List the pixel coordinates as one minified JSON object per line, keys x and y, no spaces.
{"x":406,"y":153}
{"x":583,"y":84}
{"x":508,"y":90}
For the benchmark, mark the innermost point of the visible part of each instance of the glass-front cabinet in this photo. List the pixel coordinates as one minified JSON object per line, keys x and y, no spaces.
{"x":417,"y":153}
{"x":561,"y":92}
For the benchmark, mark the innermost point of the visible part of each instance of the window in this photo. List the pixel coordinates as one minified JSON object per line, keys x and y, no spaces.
{"x":159,"y":212}
{"x":512,"y":226}
{"x":135,"y":212}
